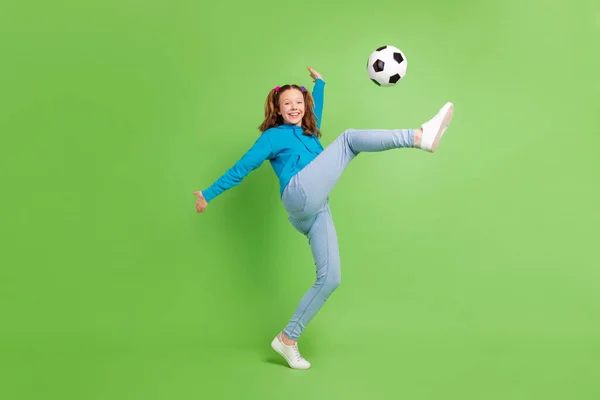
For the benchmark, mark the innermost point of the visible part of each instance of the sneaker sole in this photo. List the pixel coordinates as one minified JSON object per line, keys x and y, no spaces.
{"x":443,"y":126}
{"x":275,"y":346}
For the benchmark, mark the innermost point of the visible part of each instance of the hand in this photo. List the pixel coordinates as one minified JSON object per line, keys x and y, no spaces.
{"x":314,"y":74}
{"x":201,"y":202}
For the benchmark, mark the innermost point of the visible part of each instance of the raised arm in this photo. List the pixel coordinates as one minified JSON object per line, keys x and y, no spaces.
{"x":252,"y":159}
{"x":318,"y":94}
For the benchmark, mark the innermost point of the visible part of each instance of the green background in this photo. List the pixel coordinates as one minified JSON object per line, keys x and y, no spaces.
{"x":471,"y":273}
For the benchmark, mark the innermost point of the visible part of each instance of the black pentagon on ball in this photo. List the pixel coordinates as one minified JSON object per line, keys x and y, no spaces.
{"x":378,"y":66}
{"x":398,"y":57}
{"x":374,"y":81}
{"x":395,"y":78}
{"x":381,"y":48}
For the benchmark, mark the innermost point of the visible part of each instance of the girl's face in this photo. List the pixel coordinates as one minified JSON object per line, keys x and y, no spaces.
{"x":291,"y":107}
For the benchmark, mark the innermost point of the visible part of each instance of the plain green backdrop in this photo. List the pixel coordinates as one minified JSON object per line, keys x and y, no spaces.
{"x":471,"y":273}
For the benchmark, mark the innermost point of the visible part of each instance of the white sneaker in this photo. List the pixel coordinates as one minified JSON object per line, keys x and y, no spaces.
{"x":290,"y":353}
{"x":433,"y":130}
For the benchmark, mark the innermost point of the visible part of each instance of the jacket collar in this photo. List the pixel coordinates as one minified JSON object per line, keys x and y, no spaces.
{"x":288,"y":126}
{"x":297,"y":129}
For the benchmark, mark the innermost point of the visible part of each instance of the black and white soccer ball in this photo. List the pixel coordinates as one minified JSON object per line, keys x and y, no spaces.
{"x":387,"y":66}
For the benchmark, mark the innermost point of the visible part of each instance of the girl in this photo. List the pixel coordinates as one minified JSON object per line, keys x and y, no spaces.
{"x":307,"y":173}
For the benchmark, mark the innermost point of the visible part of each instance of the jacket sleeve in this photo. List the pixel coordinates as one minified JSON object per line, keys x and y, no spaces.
{"x":260,"y":151}
{"x":318,"y":95}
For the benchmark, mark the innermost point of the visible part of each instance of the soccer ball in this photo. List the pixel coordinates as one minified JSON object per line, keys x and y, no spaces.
{"x":387,"y":66}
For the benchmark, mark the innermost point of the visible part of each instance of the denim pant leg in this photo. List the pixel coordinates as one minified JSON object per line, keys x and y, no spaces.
{"x":306,"y":201}
{"x":319,"y":177}
{"x":323,"y":242}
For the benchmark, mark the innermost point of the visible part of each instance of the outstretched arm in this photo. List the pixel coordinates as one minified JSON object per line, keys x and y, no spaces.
{"x":252,"y":159}
{"x":318,"y":94}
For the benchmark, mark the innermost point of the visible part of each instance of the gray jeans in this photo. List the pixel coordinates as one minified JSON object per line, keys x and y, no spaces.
{"x":306,"y":199}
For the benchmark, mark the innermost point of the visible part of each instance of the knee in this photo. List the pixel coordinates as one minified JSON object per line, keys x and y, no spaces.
{"x":331,"y":282}
{"x":343,"y":137}
{"x":334,"y":282}
{"x":346,"y":137}
{"x":334,"y":279}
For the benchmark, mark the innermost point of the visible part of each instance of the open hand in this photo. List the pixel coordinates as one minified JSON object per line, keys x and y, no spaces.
{"x":314,"y":74}
{"x":201,"y":202}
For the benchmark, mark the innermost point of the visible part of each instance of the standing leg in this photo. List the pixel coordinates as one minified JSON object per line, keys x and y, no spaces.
{"x":322,"y":238}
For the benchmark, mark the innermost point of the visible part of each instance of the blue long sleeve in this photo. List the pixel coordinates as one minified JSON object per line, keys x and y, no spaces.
{"x":318,"y":95}
{"x":260,"y":151}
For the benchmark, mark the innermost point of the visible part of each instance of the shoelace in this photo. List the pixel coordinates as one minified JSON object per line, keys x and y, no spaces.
{"x":297,"y":354}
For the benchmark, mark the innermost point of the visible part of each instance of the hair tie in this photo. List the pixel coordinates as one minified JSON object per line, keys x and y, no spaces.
{"x":303,"y":88}
{"x":277,"y":89}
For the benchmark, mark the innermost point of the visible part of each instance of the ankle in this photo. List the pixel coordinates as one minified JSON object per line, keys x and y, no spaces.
{"x":286,"y":341}
{"x":418,"y":136}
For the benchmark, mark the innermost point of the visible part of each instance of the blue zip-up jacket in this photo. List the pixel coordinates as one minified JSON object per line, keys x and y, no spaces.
{"x":285,"y":146}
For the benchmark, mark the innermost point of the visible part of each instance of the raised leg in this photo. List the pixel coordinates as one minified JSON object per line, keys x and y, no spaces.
{"x":318,"y":178}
